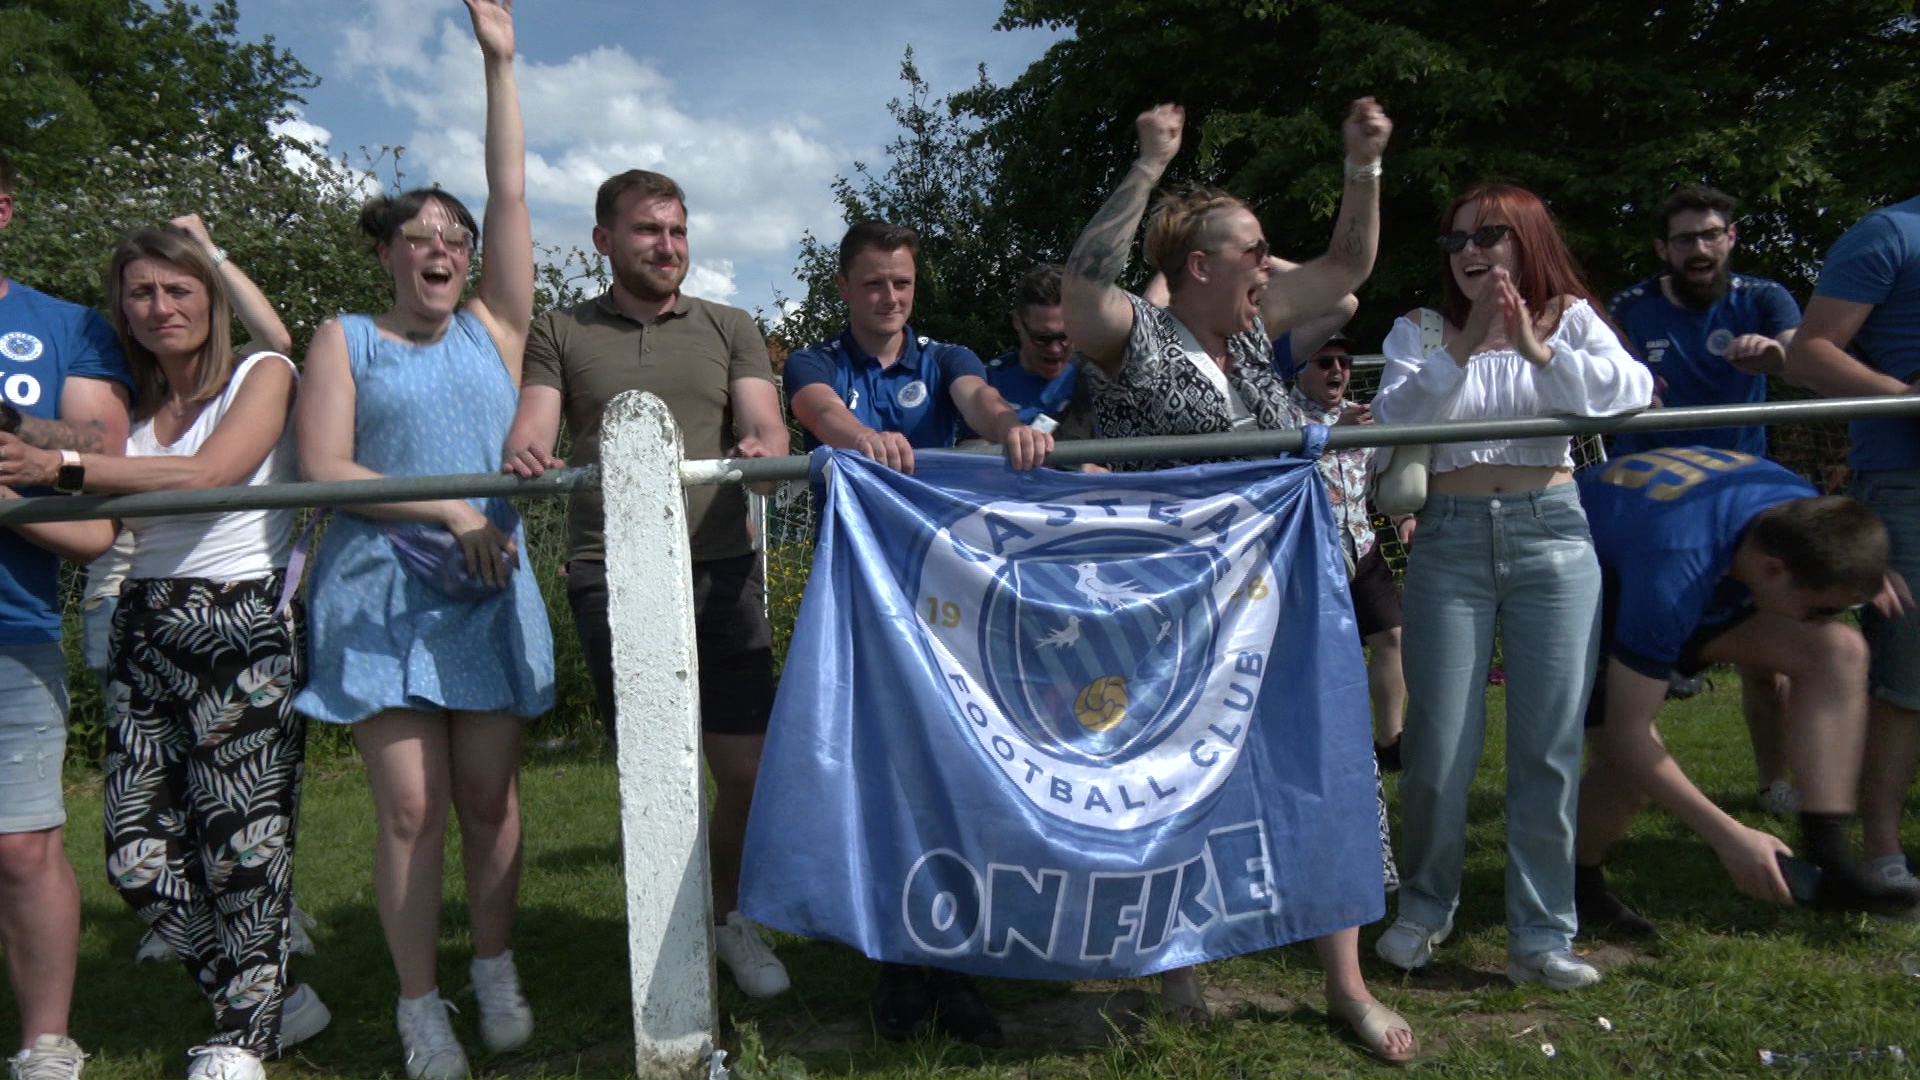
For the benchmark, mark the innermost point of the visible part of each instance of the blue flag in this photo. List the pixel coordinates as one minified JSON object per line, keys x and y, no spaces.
{"x":1054,"y":725}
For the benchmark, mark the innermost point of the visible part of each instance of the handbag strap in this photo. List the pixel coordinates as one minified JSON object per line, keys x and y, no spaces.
{"x":297,"y":562}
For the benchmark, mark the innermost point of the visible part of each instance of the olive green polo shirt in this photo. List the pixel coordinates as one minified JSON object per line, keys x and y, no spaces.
{"x":688,"y":358}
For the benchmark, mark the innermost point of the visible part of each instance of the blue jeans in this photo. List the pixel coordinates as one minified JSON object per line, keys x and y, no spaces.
{"x":1524,"y":562}
{"x":1894,"y":494}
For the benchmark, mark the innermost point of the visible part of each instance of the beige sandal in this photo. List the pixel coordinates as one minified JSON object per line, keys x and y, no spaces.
{"x":1370,"y":1023}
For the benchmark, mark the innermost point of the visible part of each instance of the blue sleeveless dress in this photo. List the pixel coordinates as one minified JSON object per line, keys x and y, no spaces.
{"x":378,"y":638}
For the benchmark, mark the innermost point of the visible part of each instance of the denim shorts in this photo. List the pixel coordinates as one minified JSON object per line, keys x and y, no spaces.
{"x":33,"y":737}
{"x":1895,"y":496}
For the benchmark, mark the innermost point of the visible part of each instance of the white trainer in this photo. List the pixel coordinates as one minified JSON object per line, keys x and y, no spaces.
{"x":506,"y":1019}
{"x":1408,"y":945}
{"x":300,"y":931}
{"x":1555,"y":970}
{"x":51,"y":1057}
{"x":152,"y":949}
{"x":433,"y":1053}
{"x":224,"y":1063}
{"x":302,"y":1016}
{"x":746,"y":953}
{"x":1781,"y":799}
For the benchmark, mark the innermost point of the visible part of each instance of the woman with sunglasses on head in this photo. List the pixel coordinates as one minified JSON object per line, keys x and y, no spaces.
{"x":1203,"y":363}
{"x":436,"y":671}
{"x":204,"y":749}
{"x":1501,"y":540}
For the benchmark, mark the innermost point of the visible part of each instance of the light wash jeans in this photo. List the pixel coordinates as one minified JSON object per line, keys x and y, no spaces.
{"x":1524,"y":561}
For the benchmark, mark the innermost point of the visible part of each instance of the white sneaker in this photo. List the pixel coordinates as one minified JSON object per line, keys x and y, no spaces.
{"x":302,"y":1016}
{"x":1408,"y":945}
{"x":299,"y":927}
{"x":506,"y":1020}
{"x":152,"y":948}
{"x":432,"y":1051}
{"x":1893,"y":870}
{"x":1781,"y":799}
{"x":51,"y":1057}
{"x":1556,"y":970}
{"x":749,"y":957}
{"x":224,"y":1063}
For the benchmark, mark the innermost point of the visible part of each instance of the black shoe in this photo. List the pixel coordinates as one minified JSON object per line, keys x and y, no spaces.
{"x":1681,"y":687}
{"x":1388,"y":755}
{"x":1851,"y":887}
{"x":902,"y":1008}
{"x":1607,"y":917}
{"x":958,"y":1011}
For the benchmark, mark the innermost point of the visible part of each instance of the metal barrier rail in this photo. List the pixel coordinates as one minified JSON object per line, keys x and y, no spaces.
{"x":742,"y":470}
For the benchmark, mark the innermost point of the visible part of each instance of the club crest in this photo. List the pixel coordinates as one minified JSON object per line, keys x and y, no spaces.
{"x":1105,"y":655}
{"x":20,"y":346}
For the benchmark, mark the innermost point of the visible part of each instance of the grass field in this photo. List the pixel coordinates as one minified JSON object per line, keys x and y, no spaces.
{"x":1728,"y":978}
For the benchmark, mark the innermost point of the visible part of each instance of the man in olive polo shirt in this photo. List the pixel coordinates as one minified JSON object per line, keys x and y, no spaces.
{"x":709,"y":364}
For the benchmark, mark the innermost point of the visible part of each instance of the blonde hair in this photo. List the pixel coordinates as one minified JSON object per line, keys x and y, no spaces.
{"x":216,"y":361}
{"x":1180,"y":223}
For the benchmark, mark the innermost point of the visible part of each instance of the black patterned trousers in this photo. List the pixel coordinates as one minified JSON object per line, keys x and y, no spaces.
{"x":203,"y":767}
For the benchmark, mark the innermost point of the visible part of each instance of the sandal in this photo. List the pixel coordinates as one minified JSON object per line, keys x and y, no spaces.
{"x":1370,"y":1023}
{"x":1184,"y":1000}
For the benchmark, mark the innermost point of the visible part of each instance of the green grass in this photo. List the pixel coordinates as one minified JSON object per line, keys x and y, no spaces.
{"x":1728,"y":978}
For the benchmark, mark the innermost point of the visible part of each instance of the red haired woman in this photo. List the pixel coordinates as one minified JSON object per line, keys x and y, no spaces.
{"x":1502,"y":541}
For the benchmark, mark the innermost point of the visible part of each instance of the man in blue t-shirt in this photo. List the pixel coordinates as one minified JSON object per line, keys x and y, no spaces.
{"x":63,"y":385}
{"x":1041,"y":378}
{"x":879,"y":389}
{"x":1710,"y":336}
{"x":1862,"y":338}
{"x":1713,"y":556}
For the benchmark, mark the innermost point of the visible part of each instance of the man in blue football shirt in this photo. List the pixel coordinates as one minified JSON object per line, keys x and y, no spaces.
{"x":63,"y":385}
{"x":880,"y":389}
{"x":1041,"y":378}
{"x":1713,"y":556}
{"x":1711,"y":337}
{"x":1862,"y":338}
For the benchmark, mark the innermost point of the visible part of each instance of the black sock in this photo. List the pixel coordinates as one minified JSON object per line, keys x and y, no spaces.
{"x":1589,"y":882}
{"x":1601,"y":911}
{"x":1825,"y":838}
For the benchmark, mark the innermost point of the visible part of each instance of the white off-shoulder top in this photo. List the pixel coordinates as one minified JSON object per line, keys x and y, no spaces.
{"x":1591,"y":374}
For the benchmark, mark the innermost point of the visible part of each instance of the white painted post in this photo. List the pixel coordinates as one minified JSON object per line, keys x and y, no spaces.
{"x":656,"y":681}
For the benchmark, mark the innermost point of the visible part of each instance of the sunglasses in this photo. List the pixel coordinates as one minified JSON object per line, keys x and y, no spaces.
{"x":1709,"y":237}
{"x":419,"y":233}
{"x":1484,"y":237}
{"x":1258,"y":249}
{"x":1328,"y":363}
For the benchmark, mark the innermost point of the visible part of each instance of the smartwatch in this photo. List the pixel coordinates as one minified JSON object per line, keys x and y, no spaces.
{"x":72,"y":475}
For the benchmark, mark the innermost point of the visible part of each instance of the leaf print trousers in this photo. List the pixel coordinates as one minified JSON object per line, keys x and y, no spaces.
{"x":203,"y":767}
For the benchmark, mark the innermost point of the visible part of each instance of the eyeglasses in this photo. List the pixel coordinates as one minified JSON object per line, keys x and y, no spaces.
{"x":1258,"y":249}
{"x":420,"y":233}
{"x":1709,"y":237}
{"x":1327,"y":363}
{"x":1484,"y":237}
{"x":1045,"y":341}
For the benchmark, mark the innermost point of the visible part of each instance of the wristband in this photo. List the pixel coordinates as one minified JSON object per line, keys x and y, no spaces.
{"x":218,"y":255}
{"x":1363,"y":173}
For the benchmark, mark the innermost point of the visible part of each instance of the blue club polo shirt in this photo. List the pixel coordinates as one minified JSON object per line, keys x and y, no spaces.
{"x":913,"y":395}
{"x":1877,"y":262}
{"x":1029,"y":394}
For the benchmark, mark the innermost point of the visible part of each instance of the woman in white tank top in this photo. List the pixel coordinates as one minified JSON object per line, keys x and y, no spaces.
{"x":203,"y":747}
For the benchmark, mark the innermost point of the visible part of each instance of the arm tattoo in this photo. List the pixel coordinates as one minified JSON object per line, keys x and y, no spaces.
{"x":88,"y":437}
{"x":1101,"y":252}
{"x":1355,"y":242}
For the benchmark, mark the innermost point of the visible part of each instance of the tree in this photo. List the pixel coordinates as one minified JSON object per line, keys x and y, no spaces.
{"x":939,"y":180}
{"x":1803,"y":109}
{"x":83,"y":76}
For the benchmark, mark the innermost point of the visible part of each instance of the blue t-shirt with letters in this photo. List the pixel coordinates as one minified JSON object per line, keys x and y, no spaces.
{"x":913,"y":395}
{"x":43,"y":342}
{"x":1665,"y":525}
{"x":1877,"y":262}
{"x":1688,"y":348}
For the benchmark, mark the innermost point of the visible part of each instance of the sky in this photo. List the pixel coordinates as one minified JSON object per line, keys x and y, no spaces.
{"x":753,"y":106}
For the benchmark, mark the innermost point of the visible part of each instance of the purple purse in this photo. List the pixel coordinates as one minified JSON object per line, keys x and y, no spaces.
{"x":433,"y":555}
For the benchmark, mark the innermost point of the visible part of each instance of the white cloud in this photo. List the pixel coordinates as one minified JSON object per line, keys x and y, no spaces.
{"x":318,"y":155}
{"x":753,"y":187}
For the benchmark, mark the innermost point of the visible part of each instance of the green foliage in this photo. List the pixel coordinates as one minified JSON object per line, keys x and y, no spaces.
{"x":1805,"y":110}
{"x":86,"y":75}
{"x":939,"y":180}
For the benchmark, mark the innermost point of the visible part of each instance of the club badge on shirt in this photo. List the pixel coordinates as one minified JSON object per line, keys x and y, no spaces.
{"x":21,"y":347}
{"x":912,"y":395}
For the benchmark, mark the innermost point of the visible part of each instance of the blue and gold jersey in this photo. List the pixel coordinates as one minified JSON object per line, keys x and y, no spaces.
{"x":1665,"y":525}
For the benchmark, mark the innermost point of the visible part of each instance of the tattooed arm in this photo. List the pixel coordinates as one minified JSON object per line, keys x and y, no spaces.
{"x":93,"y":419}
{"x":1099,"y":316}
{"x":1296,"y":295}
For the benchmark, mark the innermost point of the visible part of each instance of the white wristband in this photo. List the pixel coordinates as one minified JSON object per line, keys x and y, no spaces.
{"x":218,"y":256}
{"x":1363,"y":173}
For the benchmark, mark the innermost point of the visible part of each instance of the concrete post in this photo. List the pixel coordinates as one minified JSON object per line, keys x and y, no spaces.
{"x":662,"y":785}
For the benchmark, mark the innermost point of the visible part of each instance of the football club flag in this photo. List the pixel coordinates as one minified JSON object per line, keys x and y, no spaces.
{"x":1055,"y":725}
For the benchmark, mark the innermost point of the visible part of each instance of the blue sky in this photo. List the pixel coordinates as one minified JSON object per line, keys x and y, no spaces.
{"x":753,"y":106}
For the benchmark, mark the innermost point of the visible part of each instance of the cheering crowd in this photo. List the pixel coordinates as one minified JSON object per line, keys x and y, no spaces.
{"x":420,"y":626}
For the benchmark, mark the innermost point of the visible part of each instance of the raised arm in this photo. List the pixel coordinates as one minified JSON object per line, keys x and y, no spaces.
{"x":1099,"y":315}
{"x":1305,"y":339}
{"x":262,"y":323}
{"x":1316,"y":286}
{"x":504,"y":300}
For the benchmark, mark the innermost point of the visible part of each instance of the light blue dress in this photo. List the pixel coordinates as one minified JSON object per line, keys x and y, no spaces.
{"x":378,"y":637}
